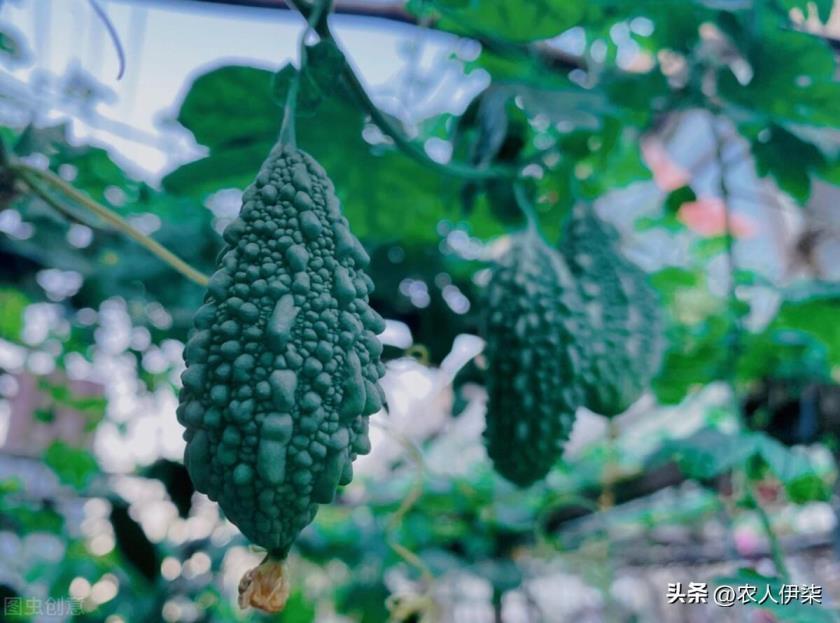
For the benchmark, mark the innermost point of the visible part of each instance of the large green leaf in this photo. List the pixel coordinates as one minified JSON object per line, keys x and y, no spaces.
{"x":694,"y":357}
{"x":793,"y":468}
{"x":824,"y":7}
{"x":816,"y":315}
{"x":710,"y":452}
{"x":788,"y":158}
{"x":231,"y":111}
{"x":511,"y":20}
{"x":384,"y":194}
{"x":231,"y":167}
{"x":231,"y":106}
{"x":792,"y":75}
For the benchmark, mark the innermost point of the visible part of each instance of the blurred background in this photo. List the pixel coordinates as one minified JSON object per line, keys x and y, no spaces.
{"x":706,"y":131}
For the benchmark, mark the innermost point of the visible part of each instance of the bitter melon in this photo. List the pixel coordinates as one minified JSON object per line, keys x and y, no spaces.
{"x":532,"y":363}
{"x":283,"y":365}
{"x":622,"y":343}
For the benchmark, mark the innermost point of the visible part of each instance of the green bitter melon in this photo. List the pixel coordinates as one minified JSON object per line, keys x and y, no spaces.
{"x":283,"y":364}
{"x":529,"y":327}
{"x":622,"y":343}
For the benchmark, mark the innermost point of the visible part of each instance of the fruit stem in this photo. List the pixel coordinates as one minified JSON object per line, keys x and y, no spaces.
{"x":611,"y":469}
{"x":266,"y":586}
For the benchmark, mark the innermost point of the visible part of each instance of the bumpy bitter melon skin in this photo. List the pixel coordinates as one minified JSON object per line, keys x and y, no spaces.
{"x":283,"y":364}
{"x":622,"y":344}
{"x":532,"y":363}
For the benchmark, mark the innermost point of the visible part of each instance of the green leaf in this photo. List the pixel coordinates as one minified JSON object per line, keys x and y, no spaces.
{"x":384,"y":194}
{"x":364,"y":600}
{"x":816,"y":316}
{"x":10,"y":485}
{"x":231,"y":107}
{"x":676,"y":198}
{"x":792,"y":75}
{"x":12,"y":305}
{"x":73,"y":466}
{"x":793,"y":468}
{"x":298,"y":609}
{"x":636,"y":97}
{"x":673,"y":278}
{"x":28,"y":519}
{"x":694,"y":356}
{"x":783,"y":353}
{"x":708,"y":452}
{"x":824,"y":7}
{"x":44,"y":415}
{"x":232,"y":167}
{"x":667,"y":221}
{"x":789,"y":159}
{"x":12,"y":45}
{"x":325,"y":61}
{"x":231,"y":111}
{"x":706,"y":248}
{"x":511,"y":20}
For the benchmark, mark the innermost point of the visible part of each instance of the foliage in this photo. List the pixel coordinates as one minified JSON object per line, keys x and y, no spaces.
{"x":572,"y":96}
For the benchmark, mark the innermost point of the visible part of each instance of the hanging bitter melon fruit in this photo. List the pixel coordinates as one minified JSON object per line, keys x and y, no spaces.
{"x":532,"y":363}
{"x":283,"y":364}
{"x":622,"y":342}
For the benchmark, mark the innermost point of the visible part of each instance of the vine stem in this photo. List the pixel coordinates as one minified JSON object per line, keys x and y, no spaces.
{"x":611,"y":469}
{"x":734,"y":346}
{"x":525,"y":205}
{"x":776,"y":551}
{"x":497,"y":601}
{"x":606,"y":503}
{"x":387,"y":125}
{"x":33,"y":177}
{"x":112,"y":33}
{"x":408,"y":502}
{"x":287,"y":129}
{"x":42,"y":193}
{"x":734,"y":337}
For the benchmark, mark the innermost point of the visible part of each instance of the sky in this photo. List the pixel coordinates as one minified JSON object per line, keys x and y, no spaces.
{"x":166,"y":43}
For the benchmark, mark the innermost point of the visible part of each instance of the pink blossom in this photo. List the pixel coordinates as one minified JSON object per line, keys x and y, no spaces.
{"x":707,"y":217}
{"x":667,"y":174}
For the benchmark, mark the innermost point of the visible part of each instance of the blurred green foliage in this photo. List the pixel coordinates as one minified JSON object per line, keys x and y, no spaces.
{"x":580,"y":120}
